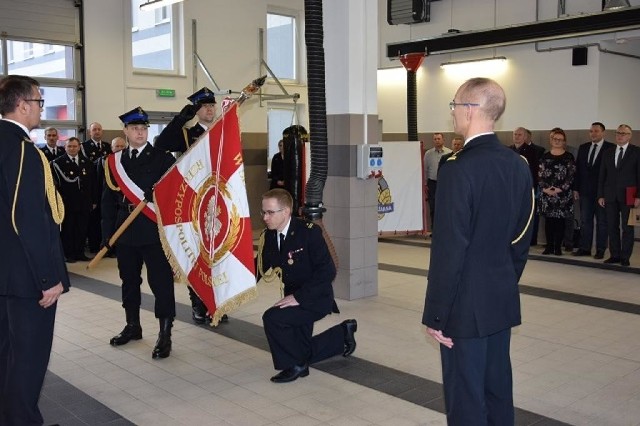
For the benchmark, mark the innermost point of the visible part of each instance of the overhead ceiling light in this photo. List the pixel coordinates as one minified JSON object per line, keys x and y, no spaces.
{"x":156,"y":4}
{"x":616,"y":4}
{"x":476,"y":67}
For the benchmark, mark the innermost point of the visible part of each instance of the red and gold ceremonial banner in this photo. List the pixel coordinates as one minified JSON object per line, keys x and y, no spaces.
{"x":203,"y":218}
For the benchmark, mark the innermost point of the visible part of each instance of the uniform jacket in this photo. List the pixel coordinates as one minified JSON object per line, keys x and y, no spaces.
{"x":613,"y":182}
{"x":277,"y":170}
{"x":145,"y":172}
{"x":177,"y":138}
{"x":586,"y":179}
{"x":92,"y":152}
{"x":75,"y":182}
{"x":51,"y":156}
{"x":480,"y":246}
{"x":533,"y":154}
{"x":310,"y":275}
{"x":32,"y":259}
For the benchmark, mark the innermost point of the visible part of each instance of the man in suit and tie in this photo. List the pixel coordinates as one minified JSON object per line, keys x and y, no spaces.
{"x":51,"y":149}
{"x":477,"y":257}
{"x":32,"y":270}
{"x":618,"y":184}
{"x":176,"y":137}
{"x":590,"y":156}
{"x":75,"y":178}
{"x":298,"y":250}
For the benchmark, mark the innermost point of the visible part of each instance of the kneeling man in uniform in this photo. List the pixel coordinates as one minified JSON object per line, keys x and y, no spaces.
{"x":297,"y":248}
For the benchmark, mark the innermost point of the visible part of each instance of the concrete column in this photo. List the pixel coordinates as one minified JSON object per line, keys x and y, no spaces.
{"x":351,"y":49}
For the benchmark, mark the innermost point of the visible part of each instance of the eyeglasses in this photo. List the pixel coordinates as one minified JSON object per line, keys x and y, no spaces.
{"x":557,"y":139}
{"x":270,"y":212}
{"x":622,"y":133}
{"x":39,"y":101}
{"x":454,"y":104}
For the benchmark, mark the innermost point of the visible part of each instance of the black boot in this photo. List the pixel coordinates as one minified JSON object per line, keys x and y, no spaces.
{"x":131,"y":331}
{"x":163,"y":344}
{"x":198,"y":308}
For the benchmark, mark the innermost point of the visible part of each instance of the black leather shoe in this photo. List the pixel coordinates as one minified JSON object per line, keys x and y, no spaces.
{"x":198,"y":316}
{"x":129,"y":332}
{"x":625,"y":262}
{"x":224,"y":318}
{"x":291,"y":374}
{"x":547,"y":251}
{"x":350,"y":326}
{"x":612,"y":260}
{"x":581,"y":252}
{"x":599,"y":254}
{"x":557,"y":251}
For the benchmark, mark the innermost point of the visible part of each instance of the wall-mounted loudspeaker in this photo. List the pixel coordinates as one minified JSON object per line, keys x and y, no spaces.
{"x":579,"y":56}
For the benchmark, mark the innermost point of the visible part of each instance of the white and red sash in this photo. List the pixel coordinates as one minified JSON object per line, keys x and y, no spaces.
{"x":131,"y":191}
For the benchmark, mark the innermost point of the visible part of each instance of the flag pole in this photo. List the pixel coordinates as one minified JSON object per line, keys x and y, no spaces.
{"x":245,"y":94}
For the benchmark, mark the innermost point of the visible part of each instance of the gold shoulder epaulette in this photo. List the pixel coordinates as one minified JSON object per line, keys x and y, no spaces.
{"x":107,"y":177}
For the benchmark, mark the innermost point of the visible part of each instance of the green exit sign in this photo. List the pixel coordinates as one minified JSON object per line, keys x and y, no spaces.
{"x":166,"y":93}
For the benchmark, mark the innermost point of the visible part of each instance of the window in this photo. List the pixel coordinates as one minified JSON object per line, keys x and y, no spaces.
{"x":155,"y":36}
{"x":282,"y":46}
{"x":40,"y":60}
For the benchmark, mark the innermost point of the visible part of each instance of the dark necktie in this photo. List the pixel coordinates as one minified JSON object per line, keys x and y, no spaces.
{"x":619,"y":157}
{"x":281,"y":242}
{"x":134,"y":154}
{"x":592,"y":155}
{"x":75,"y":160}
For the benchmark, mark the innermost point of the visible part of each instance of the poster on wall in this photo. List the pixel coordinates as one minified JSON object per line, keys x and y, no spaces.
{"x":400,"y":189}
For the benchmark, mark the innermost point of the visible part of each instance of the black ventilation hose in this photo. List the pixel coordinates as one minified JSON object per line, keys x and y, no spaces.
{"x":412,"y":106}
{"x":293,"y":139}
{"x":314,"y":39}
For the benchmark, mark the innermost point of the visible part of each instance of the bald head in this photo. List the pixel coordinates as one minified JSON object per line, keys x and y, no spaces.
{"x":118,"y":144}
{"x":476,"y":106}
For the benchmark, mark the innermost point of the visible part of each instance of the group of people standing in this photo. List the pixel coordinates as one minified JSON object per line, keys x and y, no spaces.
{"x":603,"y":178}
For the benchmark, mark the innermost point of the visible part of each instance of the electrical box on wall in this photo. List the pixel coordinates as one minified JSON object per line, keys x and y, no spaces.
{"x":369,"y":161}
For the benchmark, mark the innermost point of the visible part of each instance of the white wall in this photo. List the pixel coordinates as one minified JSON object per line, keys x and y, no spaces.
{"x":543,"y":89}
{"x":227,"y":42}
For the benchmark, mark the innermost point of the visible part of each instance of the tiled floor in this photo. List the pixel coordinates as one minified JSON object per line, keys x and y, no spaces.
{"x":576,"y":356}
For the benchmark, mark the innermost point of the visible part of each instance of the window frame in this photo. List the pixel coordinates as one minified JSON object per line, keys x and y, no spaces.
{"x":298,"y":48}
{"x":177,"y":42}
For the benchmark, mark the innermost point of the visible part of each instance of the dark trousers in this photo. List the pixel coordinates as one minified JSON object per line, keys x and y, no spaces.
{"x":554,"y":231}
{"x":74,"y":232}
{"x":478,"y":387}
{"x":618,"y":212}
{"x":432,"y":186}
{"x":289,"y":332}
{"x":94,"y":231}
{"x":26,"y":333}
{"x":589,"y":209}
{"x":159,"y":277}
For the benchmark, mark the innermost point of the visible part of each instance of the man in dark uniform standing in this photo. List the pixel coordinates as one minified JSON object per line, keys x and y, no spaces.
{"x":95,"y":149}
{"x":32,"y":270}
{"x":298,"y":249}
{"x":178,"y":138}
{"x":477,"y":257}
{"x":141,"y":165}
{"x":51,"y":150}
{"x":75,"y":178}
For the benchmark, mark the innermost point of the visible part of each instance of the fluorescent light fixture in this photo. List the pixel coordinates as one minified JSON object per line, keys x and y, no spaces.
{"x":485,"y":67}
{"x":472,"y":62}
{"x":156,"y":4}
{"x":616,"y":4}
